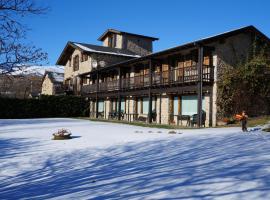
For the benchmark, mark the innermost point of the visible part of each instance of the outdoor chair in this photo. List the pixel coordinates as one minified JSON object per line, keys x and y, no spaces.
{"x":195,"y":117}
{"x":182,"y":118}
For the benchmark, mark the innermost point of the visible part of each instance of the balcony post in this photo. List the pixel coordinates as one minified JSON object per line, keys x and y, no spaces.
{"x":97,"y":88}
{"x":119,"y":94}
{"x":199,"y":85}
{"x":149,"y":92}
{"x":169,"y":70}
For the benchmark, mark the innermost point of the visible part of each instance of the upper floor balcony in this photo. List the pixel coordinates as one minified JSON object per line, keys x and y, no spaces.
{"x":175,"y":76}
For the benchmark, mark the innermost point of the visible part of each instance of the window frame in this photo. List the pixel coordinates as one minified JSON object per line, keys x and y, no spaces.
{"x":76,"y":63}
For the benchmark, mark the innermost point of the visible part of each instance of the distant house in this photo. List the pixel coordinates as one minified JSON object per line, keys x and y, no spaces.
{"x":52,"y":83}
{"x":25,"y":82}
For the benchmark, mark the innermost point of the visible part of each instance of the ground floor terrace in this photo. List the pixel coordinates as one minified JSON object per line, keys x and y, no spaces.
{"x":174,"y":109}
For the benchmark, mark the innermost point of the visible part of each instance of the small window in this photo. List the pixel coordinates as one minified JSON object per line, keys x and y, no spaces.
{"x":112,"y":40}
{"x":84,"y":80}
{"x":84,"y":57}
{"x":76,"y":63}
{"x":69,"y":62}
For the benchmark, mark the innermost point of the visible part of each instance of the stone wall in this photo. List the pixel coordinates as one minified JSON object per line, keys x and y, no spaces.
{"x":228,"y":52}
{"x":164,"y":109}
{"x":118,"y":41}
{"x":47,"y":86}
{"x":83,"y":66}
{"x":86,"y":66}
{"x":140,"y":46}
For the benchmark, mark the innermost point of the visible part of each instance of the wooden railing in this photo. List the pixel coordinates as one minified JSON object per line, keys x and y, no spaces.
{"x":174,"y":76}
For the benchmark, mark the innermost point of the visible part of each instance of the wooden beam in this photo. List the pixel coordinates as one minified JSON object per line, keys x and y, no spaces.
{"x":149,"y":92}
{"x":119,"y":93}
{"x":97,"y":95}
{"x":199,"y":85}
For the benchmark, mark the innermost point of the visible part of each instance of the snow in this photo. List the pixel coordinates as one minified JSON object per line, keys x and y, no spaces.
{"x":114,"y":161}
{"x":95,"y":51}
{"x":38,"y":70}
{"x":58,"y":77}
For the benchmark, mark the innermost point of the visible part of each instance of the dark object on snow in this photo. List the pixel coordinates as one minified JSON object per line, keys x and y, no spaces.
{"x":62,"y":137}
{"x":266,"y":130}
{"x":62,"y":134}
{"x":172,"y":132}
{"x":142,"y":119}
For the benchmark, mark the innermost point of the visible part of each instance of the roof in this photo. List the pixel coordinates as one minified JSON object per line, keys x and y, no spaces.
{"x":106,"y":50}
{"x":91,"y":48}
{"x":55,"y":77}
{"x":101,"y":38}
{"x":203,"y":41}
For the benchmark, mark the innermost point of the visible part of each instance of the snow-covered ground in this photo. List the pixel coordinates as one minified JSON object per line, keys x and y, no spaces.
{"x":113,"y":161}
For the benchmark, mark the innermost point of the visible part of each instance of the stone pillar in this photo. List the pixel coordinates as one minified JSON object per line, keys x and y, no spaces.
{"x":131,"y":108}
{"x":214,"y":92}
{"x":170,"y":109}
{"x":158,"y":110}
{"x":107,"y":108}
{"x":164,"y":109}
{"x":207,"y":110}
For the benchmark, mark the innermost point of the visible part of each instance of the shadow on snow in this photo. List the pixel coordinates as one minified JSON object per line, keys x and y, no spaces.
{"x":179,"y":168}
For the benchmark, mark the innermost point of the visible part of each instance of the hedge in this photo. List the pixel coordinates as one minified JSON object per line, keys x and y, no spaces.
{"x":45,"y":106}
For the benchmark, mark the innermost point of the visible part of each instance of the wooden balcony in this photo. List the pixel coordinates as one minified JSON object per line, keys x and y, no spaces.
{"x":177,"y":76}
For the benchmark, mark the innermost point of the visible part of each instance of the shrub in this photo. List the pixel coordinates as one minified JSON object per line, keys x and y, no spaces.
{"x":46,"y":106}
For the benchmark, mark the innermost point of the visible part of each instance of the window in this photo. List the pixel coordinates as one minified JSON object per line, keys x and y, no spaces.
{"x":112,"y":40}
{"x":69,"y":62}
{"x":175,"y":106}
{"x":145,"y":104}
{"x":123,"y":103}
{"x":84,"y":80}
{"x":100,"y":106}
{"x":84,"y":57}
{"x":189,"y":105}
{"x":76,"y":63}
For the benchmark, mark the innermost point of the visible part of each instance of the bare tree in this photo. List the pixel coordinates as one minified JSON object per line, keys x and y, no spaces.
{"x":14,"y":51}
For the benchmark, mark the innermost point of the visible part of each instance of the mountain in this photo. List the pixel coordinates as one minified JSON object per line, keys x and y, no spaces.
{"x":38,"y":70}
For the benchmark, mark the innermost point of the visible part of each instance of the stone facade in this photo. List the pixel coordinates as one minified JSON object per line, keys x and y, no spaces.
{"x":118,"y":42}
{"x":174,"y":71}
{"x":83,"y":66}
{"x":139,"y":45}
{"x":86,"y":66}
{"x":47,"y":86}
{"x":164,"y":109}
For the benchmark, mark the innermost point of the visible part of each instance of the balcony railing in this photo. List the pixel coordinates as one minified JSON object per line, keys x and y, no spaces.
{"x":174,"y":76}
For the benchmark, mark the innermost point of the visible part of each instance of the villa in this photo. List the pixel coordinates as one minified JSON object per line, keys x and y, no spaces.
{"x":125,"y":80}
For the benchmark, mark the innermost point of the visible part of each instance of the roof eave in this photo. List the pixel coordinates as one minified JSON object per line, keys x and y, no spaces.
{"x":101,"y":38}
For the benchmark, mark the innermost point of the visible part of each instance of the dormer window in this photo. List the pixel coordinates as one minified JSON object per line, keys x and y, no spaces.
{"x":112,"y":40}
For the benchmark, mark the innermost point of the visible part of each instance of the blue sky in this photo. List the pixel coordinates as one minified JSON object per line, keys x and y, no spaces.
{"x":174,"y":22}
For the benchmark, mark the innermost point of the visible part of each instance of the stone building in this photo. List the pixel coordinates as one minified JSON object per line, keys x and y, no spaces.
{"x":80,"y":58}
{"x":52,"y":83}
{"x":174,"y":86}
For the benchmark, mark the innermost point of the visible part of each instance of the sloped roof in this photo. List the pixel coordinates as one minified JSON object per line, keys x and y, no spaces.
{"x":106,"y":50}
{"x":203,"y":41}
{"x":101,"y":38}
{"x":55,"y":77}
{"x":70,"y":46}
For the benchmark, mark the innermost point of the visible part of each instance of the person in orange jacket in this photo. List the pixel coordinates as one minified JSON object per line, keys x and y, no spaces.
{"x":243,"y":121}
